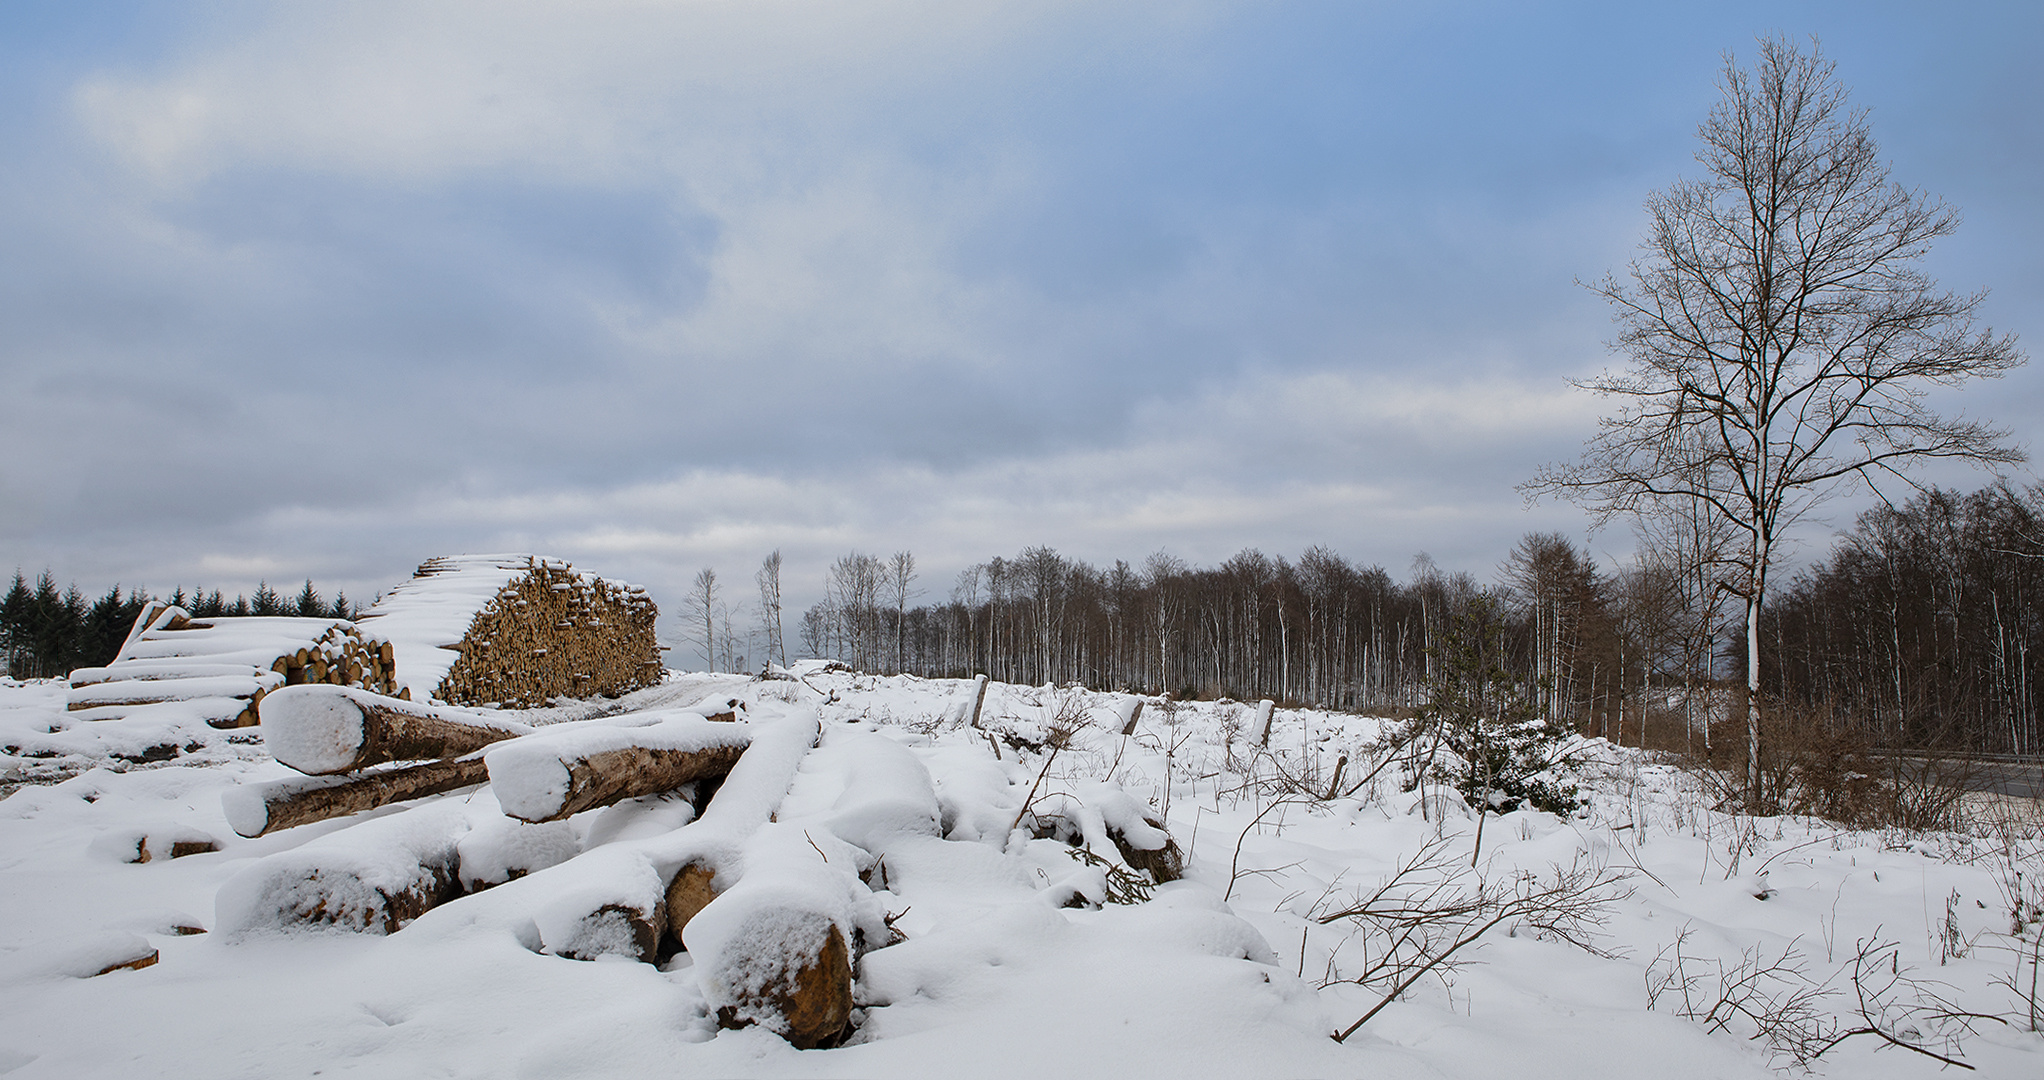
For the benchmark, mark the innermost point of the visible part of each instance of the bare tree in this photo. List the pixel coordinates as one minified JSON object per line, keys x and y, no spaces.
{"x":768,"y":578}
{"x":901,"y":571}
{"x":700,"y":612}
{"x":1781,"y":340}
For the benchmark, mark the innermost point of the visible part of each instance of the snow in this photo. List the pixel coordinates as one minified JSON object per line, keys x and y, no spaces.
{"x":434,"y":609}
{"x":862,"y":805}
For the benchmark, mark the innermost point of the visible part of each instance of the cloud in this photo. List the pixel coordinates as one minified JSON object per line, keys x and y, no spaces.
{"x":325,"y":290}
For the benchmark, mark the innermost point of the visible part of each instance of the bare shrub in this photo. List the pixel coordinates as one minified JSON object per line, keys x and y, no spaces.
{"x":1772,"y":1000}
{"x":1433,"y":905}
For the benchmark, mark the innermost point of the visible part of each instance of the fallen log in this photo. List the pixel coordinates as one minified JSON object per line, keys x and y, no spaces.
{"x":776,"y":948}
{"x":692,"y":889}
{"x":623,"y":914}
{"x":321,"y":730}
{"x":553,"y":775}
{"x":372,"y":878}
{"x":265,"y":808}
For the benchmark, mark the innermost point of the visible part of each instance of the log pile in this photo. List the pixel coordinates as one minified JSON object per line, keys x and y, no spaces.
{"x":776,"y":886}
{"x":516,"y":631}
{"x":221,"y":668}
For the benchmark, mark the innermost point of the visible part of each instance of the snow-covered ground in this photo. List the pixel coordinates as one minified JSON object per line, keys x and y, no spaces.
{"x":1236,"y":971}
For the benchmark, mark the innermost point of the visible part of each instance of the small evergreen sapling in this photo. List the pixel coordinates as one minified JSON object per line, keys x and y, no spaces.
{"x":1504,"y":753}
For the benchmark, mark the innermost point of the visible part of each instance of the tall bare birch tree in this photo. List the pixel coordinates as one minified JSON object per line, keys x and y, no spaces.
{"x":1780,"y":338}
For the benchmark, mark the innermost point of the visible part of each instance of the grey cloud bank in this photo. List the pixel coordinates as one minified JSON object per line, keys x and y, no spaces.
{"x":299,"y":290}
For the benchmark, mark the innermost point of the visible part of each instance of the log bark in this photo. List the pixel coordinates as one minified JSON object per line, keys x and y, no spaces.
{"x":323,"y":730}
{"x":549,"y":777}
{"x":265,"y":808}
{"x":610,"y":776}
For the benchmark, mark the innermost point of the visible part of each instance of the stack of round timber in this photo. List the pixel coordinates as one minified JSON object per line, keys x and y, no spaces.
{"x":220,"y":668}
{"x":553,"y":632}
{"x":516,"y":631}
{"x":341,"y":657}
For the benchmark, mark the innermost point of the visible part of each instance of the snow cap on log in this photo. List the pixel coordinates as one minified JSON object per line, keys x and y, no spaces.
{"x":867,"y":789}
{"x":618,"y":914}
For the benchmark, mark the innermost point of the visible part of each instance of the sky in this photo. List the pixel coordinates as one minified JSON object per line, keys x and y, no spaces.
{"x":304,"y":290}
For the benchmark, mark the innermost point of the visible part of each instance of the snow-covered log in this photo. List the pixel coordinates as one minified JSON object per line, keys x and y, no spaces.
{"x":619,"y":914}
{"x":372,"y":878}
{"x":265,"y":808}
{"x":321,"y":730}
{"x":554,"y":774}
{"x":516,"y":630}
{"x":775,"y":949}
{"x":507,"y":849}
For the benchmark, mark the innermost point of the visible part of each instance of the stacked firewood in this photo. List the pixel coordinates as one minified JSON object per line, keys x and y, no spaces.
{"x":222,"y":667}
{"x":517,"y":631}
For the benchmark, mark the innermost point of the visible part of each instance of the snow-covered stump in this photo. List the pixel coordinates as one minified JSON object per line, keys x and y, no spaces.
{"x":322,"y":730}
{"x":1131,"y":717}
{"x":1259,"y":727}
{"x":373,"y":878}
{"x":1104,"y":819}
{"x":979,"y":698}
{"x":553,"y":775}
{"x":259,"y":809}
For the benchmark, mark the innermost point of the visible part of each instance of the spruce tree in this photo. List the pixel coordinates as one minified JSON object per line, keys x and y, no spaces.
{"x":17,"y":640}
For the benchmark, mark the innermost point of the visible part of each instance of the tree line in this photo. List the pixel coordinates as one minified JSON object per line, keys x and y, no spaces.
{"x":1923,"y":627}
{"x":1316,"y":630}
{"x":47,"y":633}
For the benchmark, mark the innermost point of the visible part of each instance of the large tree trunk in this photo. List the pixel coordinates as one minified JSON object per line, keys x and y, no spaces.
{"x":321,"y":730}
{"x":1753,"y":697}
{"x":547,"y":777}
{"x":265,"y":808}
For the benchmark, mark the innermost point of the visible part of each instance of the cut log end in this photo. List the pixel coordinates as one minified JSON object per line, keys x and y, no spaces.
{"x":691,"y":891}
{"x":811,"y":1006}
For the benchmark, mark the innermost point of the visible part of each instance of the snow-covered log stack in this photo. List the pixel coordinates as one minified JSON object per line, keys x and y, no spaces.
{"x":220,"y":668}
{"x":516,"y":631}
